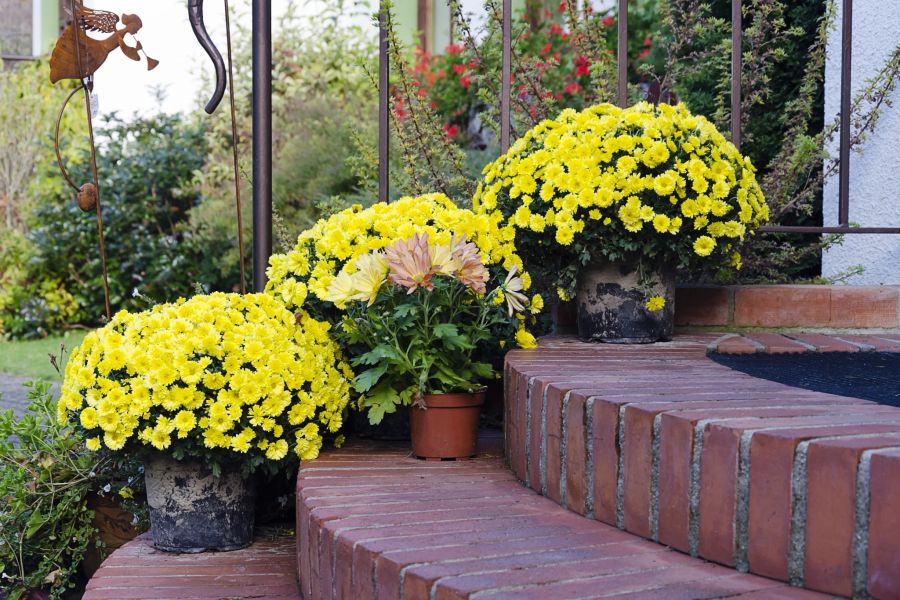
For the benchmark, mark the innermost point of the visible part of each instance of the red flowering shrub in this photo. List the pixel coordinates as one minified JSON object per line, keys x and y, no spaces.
{"x":559,"y":70}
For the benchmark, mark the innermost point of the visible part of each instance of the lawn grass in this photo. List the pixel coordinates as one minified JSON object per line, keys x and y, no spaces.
{"x":29,"y":358}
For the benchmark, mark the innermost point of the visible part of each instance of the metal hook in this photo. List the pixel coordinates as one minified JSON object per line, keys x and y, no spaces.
{"x":195,"y":15}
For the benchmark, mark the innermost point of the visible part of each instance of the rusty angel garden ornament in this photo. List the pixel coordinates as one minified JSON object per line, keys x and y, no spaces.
{"x":78,"y":56}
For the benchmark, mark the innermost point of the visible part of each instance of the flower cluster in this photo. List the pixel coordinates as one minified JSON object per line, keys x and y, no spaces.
{"x":332,"y":247}
{"x":222,"y":377}
{"x":646,"y":181}
{"x":421,"y":320}
{"x":410,"y":263}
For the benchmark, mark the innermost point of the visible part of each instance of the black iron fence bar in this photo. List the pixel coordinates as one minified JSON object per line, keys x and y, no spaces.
{"x":820,"y":230}
{"x":622,"y":54}
{"x":384,"y":120}
{"x":505,"y":75}
{"x":737,"y":41}
{"x":262,"y":141}
{"x":844,"y":173}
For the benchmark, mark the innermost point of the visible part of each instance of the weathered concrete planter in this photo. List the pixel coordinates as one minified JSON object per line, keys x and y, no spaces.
{"x":191,"y":510}
{"x":612,"y":297}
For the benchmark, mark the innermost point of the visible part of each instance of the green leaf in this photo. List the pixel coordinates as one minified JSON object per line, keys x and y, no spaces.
{"x":452,"y":339}
{"x":383,"y":400}
{"x":482,"y":370}
{"x":446,"y":330}
{"x":404,"y":310}
{"x":365,"y":380}
{"x":375,"y":355}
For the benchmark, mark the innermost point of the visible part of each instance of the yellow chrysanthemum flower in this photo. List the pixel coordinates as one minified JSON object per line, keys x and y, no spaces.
{"x":704,"y":245}
{"x":655,"y":303}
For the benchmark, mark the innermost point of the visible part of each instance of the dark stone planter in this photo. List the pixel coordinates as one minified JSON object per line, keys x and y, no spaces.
{"x":611,"y":300}
{"x":191,"y":510}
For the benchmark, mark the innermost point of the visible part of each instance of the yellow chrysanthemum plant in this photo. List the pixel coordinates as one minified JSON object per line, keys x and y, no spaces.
{"x":234,"y":380}
{"x":647,"y":183}
{"x":302,"y":277}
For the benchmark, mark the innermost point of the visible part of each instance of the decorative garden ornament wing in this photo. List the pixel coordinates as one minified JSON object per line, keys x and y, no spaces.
{"x":90,"y":19}
{"x":195,"y":15}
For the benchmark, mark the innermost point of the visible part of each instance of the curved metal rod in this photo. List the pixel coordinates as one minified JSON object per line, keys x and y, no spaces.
{"x":195,"y":15}
{"x":59,"y":160}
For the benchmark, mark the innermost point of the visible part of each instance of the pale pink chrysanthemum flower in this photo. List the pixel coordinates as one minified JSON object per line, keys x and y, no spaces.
{"x":471,"y":271}
{"x":410,"y":263}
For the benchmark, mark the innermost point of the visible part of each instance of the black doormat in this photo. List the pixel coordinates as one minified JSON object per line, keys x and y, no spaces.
{"x":869,"y":375}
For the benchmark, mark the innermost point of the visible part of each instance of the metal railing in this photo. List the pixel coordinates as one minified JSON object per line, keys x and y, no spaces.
{"x":262,"y":151}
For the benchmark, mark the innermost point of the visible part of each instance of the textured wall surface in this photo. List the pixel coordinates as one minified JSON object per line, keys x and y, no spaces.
{"x":874,"y":174}
{"x":15,"y":27}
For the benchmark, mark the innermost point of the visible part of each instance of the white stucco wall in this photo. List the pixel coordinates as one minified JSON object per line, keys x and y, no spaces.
{"x":875,"y":173}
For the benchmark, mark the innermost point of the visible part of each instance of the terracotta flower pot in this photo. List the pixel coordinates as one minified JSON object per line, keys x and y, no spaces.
{"x":448,"y":427}
{"x":114,"y":526}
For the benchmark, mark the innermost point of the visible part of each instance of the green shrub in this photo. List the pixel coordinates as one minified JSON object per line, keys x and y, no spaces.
{"x":46,"y":474}
{"x":145,"y":168}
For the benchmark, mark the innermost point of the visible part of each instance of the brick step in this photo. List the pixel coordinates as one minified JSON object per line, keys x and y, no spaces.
{"x":372,"y":522}
{"x":659,"y":441}
{"x":137,"y":571}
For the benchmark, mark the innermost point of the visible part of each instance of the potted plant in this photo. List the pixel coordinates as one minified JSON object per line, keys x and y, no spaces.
{"x":425,"y":321}
{"x":207,"y":391}
{"x":607,"y":203}
{"x":301,"y":277}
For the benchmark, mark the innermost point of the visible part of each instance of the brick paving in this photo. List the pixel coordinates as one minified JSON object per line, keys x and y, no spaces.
{"x":137,"y":571}
{"x":371,"y":518}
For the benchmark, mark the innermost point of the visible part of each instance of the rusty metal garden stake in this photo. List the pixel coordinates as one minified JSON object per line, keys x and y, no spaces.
{"x":78,"y":56}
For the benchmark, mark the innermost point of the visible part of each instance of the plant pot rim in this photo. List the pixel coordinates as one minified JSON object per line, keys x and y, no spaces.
{"x":454,"y":399}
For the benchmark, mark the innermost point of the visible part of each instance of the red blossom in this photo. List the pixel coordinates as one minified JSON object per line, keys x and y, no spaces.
{"x":644,"y":54}
{"x":423,"y":92}
{"x":562,"y":7}
{"x":459,"y":69}
{"x":547,"y":48}
{"x":465,"y":81}
{"x":454,"y":48}
{"x":608,"y":21}
{"x":647,"y":41}
{"x":451,"y":130}
{"x":582,"y":66}
{"x":556,"y":29}
{"x":573,"y":88}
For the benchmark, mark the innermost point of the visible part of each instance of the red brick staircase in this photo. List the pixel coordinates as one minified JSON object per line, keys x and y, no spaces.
{"x":639,"y":472}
